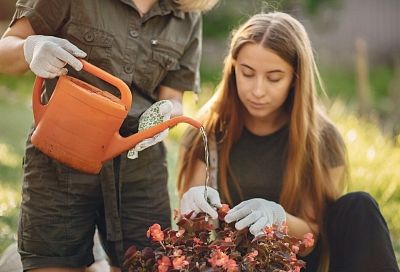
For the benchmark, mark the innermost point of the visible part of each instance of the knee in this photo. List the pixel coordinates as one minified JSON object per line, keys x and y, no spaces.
{"x":356,"y":199}
{"x":355,"y":204}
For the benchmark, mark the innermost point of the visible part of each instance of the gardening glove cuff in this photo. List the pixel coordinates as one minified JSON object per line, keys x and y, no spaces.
{"x":48,"y":55}
{"x":256,"y":214}
{"x":193,"y":200}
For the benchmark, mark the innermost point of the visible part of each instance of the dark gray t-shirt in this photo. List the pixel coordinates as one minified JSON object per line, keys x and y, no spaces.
{"x":258,"y":163}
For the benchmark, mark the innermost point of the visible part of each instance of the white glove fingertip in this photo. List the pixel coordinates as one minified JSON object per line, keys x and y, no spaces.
{"x":228,"y":218}
{"x":233,"y":216}
{"x":72,"y":49}
{"x":214,"y":198}
{"x":240,"y":225}
{"x":79,"y":54}
{"x":201,"y":204}
{"x":257,"y":228}
{"x":213,"y":214}
{"x":218,"y":205}
{"x":76,"y":64}
{"x":205,"y":207}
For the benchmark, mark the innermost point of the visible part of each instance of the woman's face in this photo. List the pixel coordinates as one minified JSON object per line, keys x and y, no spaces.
{"x":263,"y":81}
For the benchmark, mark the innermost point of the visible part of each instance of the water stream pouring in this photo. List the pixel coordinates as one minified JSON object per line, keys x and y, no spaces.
{"x":79,"y":126}
{"x":206,"y":154}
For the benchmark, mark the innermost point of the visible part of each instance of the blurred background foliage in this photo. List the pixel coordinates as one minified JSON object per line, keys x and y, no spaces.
{"x":372,"y":136}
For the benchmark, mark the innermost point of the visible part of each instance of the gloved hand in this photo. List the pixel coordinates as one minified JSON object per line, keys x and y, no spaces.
{"x":193,"y":200}
{"x":47,"y":55}
{"x":256,"y":213}
{"x":157,"y":113}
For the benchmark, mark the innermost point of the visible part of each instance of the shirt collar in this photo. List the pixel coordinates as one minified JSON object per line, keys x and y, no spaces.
{"x":167,"y":6}
{"x":162,"y":7}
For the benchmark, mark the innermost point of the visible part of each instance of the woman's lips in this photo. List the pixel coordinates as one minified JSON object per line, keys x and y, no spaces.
{"x":257,"y":105}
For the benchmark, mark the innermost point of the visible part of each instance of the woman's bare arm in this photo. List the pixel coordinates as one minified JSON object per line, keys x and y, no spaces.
{"x":12,"y":60}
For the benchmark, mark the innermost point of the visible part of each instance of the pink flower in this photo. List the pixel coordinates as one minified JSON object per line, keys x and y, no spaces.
{"x":285,"y":228}
{"x":218,"y":258}
{"x":197,"y":241}
{"x":224,"y":208}
{"x":230,"y":266}
{"x":156,"y":233}
{"x":163,"y":264}
{"x":179,"y":262}
{"x":296,"y":269}
{"x":308,"y":240}
{"x":223,"y":211}
{"x":250,"y":257}
{"x":178,"y":252}
{"x":228,"y":239}
{"x":269,"y":231}
{"x":295,"y":249}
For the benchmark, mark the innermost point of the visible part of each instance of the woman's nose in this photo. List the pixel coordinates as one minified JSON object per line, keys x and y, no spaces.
{"x":259,"y":89}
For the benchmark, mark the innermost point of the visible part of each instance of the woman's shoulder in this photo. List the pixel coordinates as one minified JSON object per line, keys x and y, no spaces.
{"x":332,"y":144}
{"x":328,"y":130}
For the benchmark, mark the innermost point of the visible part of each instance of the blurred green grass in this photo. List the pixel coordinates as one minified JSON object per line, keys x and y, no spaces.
{"x":374,"y":157}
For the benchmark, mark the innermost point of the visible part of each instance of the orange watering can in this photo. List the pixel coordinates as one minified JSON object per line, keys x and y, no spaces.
{"x":79,"y":126}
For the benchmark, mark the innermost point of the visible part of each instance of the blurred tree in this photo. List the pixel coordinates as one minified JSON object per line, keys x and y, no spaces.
{"x":231,"y":13}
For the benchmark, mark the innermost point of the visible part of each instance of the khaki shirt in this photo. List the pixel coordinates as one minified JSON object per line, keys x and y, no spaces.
{"x":161,"y":48}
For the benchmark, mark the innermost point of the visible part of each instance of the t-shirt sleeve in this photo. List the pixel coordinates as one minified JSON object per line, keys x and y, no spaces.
{"x":45,"y":16}
{"x":332,"y":146}
{"x":187,"y":78}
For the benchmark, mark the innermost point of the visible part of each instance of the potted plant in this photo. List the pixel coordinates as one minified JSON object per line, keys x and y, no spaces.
{"x":198,"y":245}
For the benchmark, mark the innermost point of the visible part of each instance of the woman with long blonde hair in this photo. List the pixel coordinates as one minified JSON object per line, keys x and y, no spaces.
{"x":279,"y":158}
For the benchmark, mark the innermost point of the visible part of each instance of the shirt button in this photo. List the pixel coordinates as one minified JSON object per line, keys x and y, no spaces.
{"x":133,"y":33}
{"x":89,"y":37}
{"x":128,"y":68}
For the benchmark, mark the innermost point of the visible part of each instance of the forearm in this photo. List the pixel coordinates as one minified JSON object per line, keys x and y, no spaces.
{"x":197,"y":178}
{"x":297,"y":227}
{"x":12,"y":60}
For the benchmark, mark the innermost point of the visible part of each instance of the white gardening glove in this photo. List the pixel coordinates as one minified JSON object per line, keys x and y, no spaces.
{"x":47,"y":55}
{"x":193,"y":200}
{"x":157,"y":113}
{"x":256,"y":213}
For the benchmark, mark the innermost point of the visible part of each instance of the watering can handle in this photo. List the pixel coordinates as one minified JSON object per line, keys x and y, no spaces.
{"x":37,"y":106}
{"x":126,"y":95}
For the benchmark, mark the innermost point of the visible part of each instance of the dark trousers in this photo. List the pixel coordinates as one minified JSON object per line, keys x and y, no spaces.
{"x":358,"y":237}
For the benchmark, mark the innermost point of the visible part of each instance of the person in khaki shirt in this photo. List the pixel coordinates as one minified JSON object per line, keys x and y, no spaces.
{"x":155,"y":48}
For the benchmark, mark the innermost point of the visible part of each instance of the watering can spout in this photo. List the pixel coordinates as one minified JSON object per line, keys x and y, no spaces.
{"x":120,"y":144}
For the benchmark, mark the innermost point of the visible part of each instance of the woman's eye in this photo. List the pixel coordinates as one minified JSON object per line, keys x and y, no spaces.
{"x":274,"y":79}
{"x":247,"y":74}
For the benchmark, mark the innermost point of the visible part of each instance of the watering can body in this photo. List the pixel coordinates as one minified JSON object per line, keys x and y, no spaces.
{"x":79,"y":126}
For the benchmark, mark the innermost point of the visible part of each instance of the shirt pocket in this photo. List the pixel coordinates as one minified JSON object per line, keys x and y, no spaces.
{"x":95,"y":42}
{"x":164,"y":58}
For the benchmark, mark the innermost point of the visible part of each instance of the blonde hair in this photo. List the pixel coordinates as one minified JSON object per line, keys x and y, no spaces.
{"x":307,"y":170}
{"x":196,"y":5}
